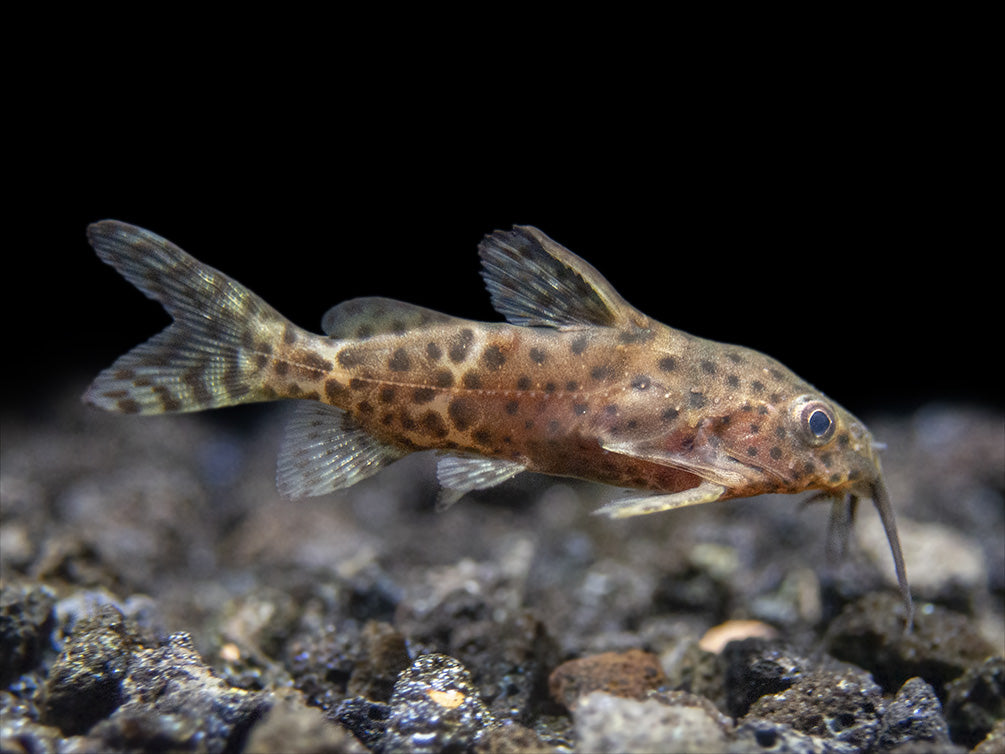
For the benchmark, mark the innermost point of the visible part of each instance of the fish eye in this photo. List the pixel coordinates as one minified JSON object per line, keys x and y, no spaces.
{"x":818,"y":420}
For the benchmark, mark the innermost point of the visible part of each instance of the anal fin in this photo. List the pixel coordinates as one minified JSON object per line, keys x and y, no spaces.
{"x":325,"y":450}
{"x":706,"y":492}
{"x":459,"y":475}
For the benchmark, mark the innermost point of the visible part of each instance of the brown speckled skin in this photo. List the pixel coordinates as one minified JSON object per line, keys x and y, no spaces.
{"x":550,"y":399}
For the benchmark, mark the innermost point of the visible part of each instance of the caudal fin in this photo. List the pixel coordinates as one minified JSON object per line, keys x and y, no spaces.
{"x":213,"y":354}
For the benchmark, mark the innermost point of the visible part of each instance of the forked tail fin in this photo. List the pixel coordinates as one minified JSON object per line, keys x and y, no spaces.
{"x":215,"y":352}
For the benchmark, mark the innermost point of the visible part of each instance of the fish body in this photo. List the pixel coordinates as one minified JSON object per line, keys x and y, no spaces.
{"x":577,"y":382}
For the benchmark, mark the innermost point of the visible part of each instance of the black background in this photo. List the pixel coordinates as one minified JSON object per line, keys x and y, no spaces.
{"x":843,"y":230}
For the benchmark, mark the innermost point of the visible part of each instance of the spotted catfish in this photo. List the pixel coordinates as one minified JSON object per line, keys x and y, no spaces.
{"x":577,"y":382}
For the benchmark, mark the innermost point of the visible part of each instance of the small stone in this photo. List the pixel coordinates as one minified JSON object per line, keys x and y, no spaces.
{"x":434,"y":708}
{"x":630,"y":674}
{"x":975,"y":702}
{"x":85,"y":683}
{"x":914,"y":715}
{"x":606,"y":723}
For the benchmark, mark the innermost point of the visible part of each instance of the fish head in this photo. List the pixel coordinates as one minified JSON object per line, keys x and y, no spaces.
{"x":808,"y":442}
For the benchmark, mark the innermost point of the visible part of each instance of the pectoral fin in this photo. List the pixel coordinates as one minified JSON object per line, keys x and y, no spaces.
{"x":706,"y":492}
{"x":702,"y":460}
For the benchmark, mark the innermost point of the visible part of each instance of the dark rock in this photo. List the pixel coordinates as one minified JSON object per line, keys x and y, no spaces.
{"x":870,"y":634}
{"x":632,"y":674}
{"x":915,"y":714}
{"x":844,"y":705}
{"x":435,"y":708}
{"x":174,"y":682}
{"x":85,"y":683}
{"x":756,"y":736}
{"x":26,"y":623}
{"x":365,"y":719}
{"x":755,"y":667}
{"x":975,"y":702}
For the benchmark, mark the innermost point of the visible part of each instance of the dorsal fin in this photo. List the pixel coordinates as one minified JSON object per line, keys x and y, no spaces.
{"x":360,"y":318}
{"x":537,"y":282}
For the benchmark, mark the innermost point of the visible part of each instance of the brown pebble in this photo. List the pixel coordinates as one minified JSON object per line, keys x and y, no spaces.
{"x":630,"y":674}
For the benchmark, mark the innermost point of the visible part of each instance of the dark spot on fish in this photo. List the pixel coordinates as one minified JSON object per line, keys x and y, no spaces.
{"x":632,"y":423}
{"x":512,"y":407}
{"x":775,"y":397}
{"x":357,"y":384}
{"x":493,"y":357}
{"x":579,"y":344}
{"x":751,"y":450}
{"x":611,"y":409}
{"x":755,"y":428}
{"x":780,"y":432}
{"x":398,"y":327}
{"x":843,"y":439}
{"x":407,"y":422}
{"x":667,"y":363}
{"x":281,"y":367}
{"x":334,"y":390}
{"x":762,"y":410}
{"x":399,"y":361}
{"x":387,"y":419}
{"x":364,"y":407}
{"x":580,"y":408}
{"x":776,"y":374}
{"x":459,"y":345}
{"x":471,"y":380}
{"x":708,"y":367}
{"x":669,"y":414}
{"x":697,"y":400}
{"x":433,"y":351}
{"x":386,"y":394}
{"x":523,"y":383}
{"x":143,"y":382}
{"x":289,"y":334}
{"x":641,"y":382}
{"x":123,"y":374}
{"x":483,"y":437}
{"x":529,"y":424}
{"x":732,"y":380}
{"x":550,"y":387}
{"x":554,"y":427}
{"x":423,"y":395}
{"x":572,"y":386}
{"x":809,"y":468}
{"x":757,"y":386}
{"x":365,"y":331}
{"x":462,"y":412}
{"x":602,"y":372}
{"x":834,"y":478}
{"x":261,"y":360}
{"x":443,"y":378}
{"x":775,"y":452}
{"x":734,"y":357}
{"x":826,"y":459}
{"x":537,"y":356}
